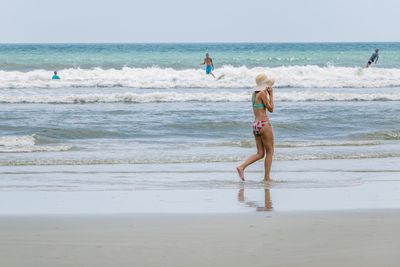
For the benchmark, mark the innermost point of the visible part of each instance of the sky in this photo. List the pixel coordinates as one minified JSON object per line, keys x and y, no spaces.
{"x":82,"y":21}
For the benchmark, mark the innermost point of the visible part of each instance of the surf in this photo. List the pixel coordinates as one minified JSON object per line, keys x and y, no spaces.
{"x":307,"y":76}
{"x":35,"y":96}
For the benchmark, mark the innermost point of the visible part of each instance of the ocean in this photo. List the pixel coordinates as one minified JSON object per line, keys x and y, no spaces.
{"x":137,"y":117}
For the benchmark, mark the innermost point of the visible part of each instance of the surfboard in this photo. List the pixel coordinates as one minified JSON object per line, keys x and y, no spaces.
{"x":220,"y":77}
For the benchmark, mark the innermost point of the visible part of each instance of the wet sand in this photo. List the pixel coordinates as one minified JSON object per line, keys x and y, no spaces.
{"x":368,"y":238}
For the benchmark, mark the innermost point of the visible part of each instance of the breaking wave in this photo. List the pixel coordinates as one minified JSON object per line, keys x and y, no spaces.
{"x":162,"y":97}
{"x":26,"y":144}
{"x":384,"y":135}
{"x":235,"y":77}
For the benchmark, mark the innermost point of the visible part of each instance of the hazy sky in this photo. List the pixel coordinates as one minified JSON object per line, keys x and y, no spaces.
{"x":199,"y":20}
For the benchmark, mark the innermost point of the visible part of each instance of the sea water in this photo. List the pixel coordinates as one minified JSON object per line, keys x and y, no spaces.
{"x":129,"y":117}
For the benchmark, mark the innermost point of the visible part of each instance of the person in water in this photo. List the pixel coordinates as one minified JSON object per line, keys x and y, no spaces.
{"x":262,"y":100}
{"x":374,"y":58}
{"x":209,"y":65}
{"x":55,"y":76}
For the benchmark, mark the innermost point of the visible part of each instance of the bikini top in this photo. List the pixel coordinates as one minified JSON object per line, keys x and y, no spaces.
{"x":260,"y":105}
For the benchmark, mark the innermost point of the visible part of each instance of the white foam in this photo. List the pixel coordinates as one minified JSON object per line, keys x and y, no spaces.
{"x":26,"y":144}
{"x":126,"y":97}
{"x":222,"y":96}
{"x":327,"y":144}
{"x":17,"y":141}
{"x":309,"y":95}
{"x":235,"y":77}
{"x":49,"y":148}
{"x":195,"y":159}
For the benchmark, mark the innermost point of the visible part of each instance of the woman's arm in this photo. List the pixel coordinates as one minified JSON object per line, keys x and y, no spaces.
{"x":268,"y":103}
{"x":271,"y":99}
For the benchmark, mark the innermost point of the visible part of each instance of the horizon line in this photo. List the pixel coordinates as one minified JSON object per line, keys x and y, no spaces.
{"x":288,"y":42}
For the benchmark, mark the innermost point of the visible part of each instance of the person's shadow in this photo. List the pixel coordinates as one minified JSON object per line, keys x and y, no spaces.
{"x":252,"y":204}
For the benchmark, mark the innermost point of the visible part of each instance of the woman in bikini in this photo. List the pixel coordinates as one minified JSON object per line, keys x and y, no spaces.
{"x":262,"y":100}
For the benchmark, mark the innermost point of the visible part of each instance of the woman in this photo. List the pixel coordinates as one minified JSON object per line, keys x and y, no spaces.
{"x":262,"y":100}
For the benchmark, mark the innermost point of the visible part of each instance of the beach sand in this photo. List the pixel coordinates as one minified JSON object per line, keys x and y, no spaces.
{"x":367,"y":238}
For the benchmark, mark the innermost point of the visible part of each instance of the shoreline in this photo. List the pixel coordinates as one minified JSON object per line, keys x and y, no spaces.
{"x":303,"y":186}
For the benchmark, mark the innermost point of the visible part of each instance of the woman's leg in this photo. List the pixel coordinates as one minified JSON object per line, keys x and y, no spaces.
{"x":267,"y":137}
{"x":253,"y":158}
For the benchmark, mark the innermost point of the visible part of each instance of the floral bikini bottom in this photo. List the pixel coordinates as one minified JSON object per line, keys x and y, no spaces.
{"x":258,"y":125}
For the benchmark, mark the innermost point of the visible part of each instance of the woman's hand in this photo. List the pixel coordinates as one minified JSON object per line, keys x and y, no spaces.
{"x":270,"y":90}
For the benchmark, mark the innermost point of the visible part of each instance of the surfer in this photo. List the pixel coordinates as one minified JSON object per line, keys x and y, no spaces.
{"x":262,"y":100}
{"x":374,"y":58}
{"x":209,"y":65}
{"x":55,"y":76}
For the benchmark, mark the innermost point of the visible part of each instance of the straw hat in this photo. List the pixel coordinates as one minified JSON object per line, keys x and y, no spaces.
{"x":263,"y":82}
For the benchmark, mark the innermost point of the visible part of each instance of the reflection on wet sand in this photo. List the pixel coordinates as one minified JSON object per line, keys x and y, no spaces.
{"x":254,"y":204}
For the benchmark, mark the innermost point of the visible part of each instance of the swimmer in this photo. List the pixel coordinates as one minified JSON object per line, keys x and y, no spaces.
{"x":55,"y":76}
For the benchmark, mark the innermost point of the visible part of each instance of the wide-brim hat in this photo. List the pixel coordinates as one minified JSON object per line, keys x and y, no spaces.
{"x":263,"y":82}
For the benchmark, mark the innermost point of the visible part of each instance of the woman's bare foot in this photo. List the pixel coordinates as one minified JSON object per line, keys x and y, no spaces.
{"x":240,"y":171}
{"x":267,"y":179}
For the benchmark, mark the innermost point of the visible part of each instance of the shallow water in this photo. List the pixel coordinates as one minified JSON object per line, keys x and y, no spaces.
{"x":299,"y":186}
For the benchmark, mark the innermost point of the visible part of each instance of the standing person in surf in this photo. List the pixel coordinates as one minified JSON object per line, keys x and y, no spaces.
{"x":262,"y":100}
{"x":209,"y":65}
{"x":374,"y":58}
